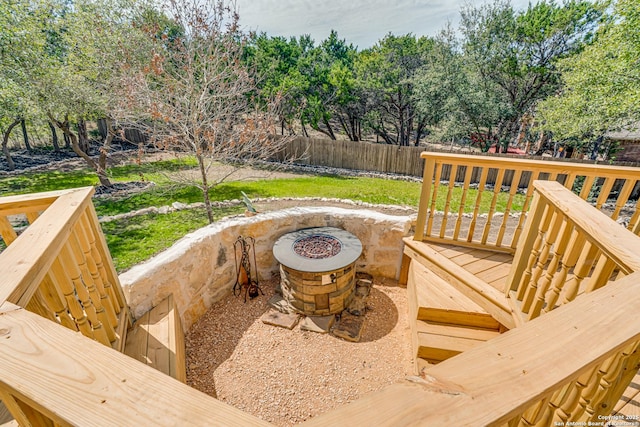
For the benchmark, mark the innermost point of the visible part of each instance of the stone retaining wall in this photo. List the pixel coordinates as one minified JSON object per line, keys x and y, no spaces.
{"x":199,"y":269}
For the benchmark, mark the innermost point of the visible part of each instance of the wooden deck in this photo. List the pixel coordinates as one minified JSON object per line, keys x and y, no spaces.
{"x":489,"y":266}
{"x":629,"y":403}
{"x":445,"y":321}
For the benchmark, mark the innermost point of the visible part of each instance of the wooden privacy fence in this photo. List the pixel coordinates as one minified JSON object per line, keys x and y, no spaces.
{"x":455,"y":209}
{"x":354,"y":155}
{"x":387,"y":158}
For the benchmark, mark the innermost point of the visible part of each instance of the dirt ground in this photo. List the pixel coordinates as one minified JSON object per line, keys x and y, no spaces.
{"x":288,"y":376}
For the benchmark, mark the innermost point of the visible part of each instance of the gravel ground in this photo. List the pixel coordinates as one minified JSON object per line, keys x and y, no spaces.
{"x":288,"y":376}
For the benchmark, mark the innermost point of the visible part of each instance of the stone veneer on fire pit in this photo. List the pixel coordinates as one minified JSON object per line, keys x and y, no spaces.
{"x":317,"y":269}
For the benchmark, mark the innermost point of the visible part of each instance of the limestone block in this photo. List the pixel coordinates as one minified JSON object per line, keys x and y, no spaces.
{"x":391,"y":237}
{"x":199,"y":269}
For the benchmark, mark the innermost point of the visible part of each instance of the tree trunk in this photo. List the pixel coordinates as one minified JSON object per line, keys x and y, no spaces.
{"x":25,"y":136}
{"x":75,"y":146}
{"x":54,"y":137}
{"x":205,"y":188}
{"x":5,"y":140}
{"x":83,"y":137}
{"x":106,"y":145}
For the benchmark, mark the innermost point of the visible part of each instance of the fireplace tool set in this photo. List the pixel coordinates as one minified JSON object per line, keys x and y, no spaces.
{"x":246,"y":273}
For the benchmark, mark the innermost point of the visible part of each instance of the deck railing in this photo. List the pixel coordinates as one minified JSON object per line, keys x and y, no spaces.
{"x":61,"y":269}
{"x":473,"y":200}
{"x":569,"y":249}
{"x":58,"y":287}
{"x":571,"y":364}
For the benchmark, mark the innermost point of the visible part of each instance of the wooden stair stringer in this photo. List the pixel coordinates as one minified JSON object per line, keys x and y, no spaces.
{"x":478,"y":291}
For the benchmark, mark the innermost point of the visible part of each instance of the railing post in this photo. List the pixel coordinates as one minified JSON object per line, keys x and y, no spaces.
{"x":425,"y":195}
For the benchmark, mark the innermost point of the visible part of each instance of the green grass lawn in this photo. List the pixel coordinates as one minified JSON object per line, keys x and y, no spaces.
{"x":133,"y":240}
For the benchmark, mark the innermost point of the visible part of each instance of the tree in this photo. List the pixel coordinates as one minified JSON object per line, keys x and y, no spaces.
{"x":601,"y":89}
{"x":386,"y":72}
{"x":509,"y":61}
{"x":455,"y":99}
{"x":274,"y":60}
{"x":195,"y":94}
{"x":19,"y":44}
{"x":61,"y":60}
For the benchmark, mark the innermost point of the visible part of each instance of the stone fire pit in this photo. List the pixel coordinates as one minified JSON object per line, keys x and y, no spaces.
{"x":317,"y":269}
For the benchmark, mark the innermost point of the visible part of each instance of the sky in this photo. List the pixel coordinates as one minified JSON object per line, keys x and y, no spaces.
{"x":361,"y":22}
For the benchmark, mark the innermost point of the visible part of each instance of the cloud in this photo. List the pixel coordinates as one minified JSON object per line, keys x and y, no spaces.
{"x":358,"y":21}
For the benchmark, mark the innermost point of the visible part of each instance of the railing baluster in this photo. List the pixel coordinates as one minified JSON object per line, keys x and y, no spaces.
{"x":447,"y":205}
{"x":601,"y":273}
{"x":492,"y":209}
{"x":110,"y":289}
{"x":37,"y":305}
{"x":588,"y":392}
{"x":568,"y":262}
{"x":425,"y":194}
{"x":104,"y":255}
{"x":604,"y":192}
{"x":583,"y":266}
{"x":560,"y":247}
{"x":587,"y":184}
{"x":476,"y":208}
{"x":105,"y":300}
{"x":623,"y":197}
{"x":62,"y":281}
{"x":634,"y":222}
{"x":534,"y":413}
{"x":70,"y":264}
{"x":525,"y":207}
{"x":90,"y":285}
{"x":548,"y":232}
{"x":563,"y":413}
{"x":463,"y":200}
{"x":611,"y":370}
{"x":512,"y":192}
{"x":522,"y":266}
{"x":434,"y":198}
{"x":32,"y":216}
{"x":557,"y":400}
{"x":6,"y":231}
{"x":54,"y":300}
{"x":630,"y":370}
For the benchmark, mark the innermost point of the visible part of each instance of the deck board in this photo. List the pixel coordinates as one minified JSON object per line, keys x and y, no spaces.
{"x":492,"y":267}
{"x":629,"y":403}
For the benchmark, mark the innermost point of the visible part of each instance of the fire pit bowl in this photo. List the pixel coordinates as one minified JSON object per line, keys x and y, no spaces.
{"x":317,"y":269}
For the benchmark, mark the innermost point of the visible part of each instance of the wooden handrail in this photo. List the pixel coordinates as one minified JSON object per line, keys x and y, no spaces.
{"x":75,"y":381}
{"x":28,"y":259}
{"x":609,"y":171}
{"x":618,"y":243}
{"x":502,"y":380}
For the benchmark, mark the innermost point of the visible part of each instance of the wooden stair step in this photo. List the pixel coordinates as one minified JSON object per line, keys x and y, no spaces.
{"x":437,"y":301}
{"x":491,"y":300}
{"x":438,"y":342}
{"x":157,"y":339}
